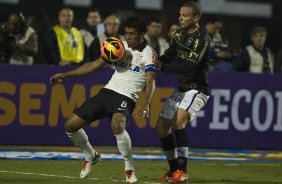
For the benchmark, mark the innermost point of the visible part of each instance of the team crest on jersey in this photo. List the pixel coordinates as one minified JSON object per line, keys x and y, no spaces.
{"x":189,"y":41}
{"x":177,"y":36}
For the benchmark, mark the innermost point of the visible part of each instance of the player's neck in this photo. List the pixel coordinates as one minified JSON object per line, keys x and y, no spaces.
{"x":140,"y":46}
{"x":193,"y":29}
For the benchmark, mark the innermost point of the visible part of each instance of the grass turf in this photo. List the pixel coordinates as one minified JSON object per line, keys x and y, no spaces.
{"x":212,"y":172}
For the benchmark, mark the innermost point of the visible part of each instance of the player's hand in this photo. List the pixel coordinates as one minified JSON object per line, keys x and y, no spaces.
{"x":57,"y":78}
{"x":142,"y":110}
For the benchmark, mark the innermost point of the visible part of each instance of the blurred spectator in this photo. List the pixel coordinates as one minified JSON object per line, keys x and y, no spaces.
{"x":172,"y":29}
{"x":257,"y":58}
{"x":154,"y":28}
{"x":111,"y":24}
{"x":92,"y":20}
{"x":278,"y":62}
{"x":221,"y":56}
{"x":5,"y":44}
{"x":63,"y":44}
{"x":20,"y":41}
{"x":89,"y":33}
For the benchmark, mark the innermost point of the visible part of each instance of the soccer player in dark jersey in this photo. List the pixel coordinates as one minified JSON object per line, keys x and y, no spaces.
{"x":187,"y":56}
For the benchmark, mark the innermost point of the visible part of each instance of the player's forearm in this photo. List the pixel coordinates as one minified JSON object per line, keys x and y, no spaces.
{"x":149,"y":90}
{"x":85,"y":69}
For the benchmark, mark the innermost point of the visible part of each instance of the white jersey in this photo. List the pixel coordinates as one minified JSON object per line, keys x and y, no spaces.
{"x":129,"y":78}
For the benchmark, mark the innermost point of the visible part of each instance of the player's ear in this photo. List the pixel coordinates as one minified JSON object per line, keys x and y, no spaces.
{"x":196,"y":18}
{"x":141,"y":34}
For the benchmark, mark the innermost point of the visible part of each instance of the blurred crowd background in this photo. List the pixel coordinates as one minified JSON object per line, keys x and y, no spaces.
{"x":246,"y":34}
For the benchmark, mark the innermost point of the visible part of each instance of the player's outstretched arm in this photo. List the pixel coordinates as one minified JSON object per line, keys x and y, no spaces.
{"x":82,"y":70}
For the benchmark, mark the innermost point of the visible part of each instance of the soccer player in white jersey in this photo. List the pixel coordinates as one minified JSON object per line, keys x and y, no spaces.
{"x":117,"y":99}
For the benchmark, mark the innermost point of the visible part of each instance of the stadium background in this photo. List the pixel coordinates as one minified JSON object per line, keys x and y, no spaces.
{"x":32,"y":113}
{"x":237,"y":21}
{"x":265,"y":122}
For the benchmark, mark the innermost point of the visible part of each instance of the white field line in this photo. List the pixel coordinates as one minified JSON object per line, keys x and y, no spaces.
{"x":249,"y":164}
{"x":69,"y":177}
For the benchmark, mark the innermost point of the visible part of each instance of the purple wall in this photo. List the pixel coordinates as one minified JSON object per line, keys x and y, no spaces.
{"x":244,"y":110}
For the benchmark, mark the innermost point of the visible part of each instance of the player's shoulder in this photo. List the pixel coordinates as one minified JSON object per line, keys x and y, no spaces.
{"x":202,"y":33}
{"x":148,"y":49}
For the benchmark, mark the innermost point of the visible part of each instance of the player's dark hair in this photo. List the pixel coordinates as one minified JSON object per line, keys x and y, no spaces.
{"x":197,"y":9}
{"x":136,"y":22}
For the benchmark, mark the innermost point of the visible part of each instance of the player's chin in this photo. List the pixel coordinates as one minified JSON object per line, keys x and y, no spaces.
{"x":182,"y":25}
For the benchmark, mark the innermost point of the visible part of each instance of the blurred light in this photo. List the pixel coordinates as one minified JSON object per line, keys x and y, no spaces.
{"x":149,"y":4}
{"x":80,"y":3}
{"x":10,"y":1}
{"x":251,"y":9}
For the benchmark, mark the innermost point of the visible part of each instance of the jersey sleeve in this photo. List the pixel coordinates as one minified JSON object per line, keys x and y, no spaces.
{"x":170,"y":52}
{"x":151,"y":63}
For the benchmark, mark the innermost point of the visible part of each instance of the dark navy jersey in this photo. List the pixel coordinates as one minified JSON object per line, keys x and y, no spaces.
{"x":187,"y":55}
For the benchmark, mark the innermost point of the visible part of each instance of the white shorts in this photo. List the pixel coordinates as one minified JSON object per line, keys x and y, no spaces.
{"x":192,"y":101}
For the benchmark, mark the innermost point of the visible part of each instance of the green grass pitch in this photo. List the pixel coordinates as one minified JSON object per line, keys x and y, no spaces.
{"x":67,"y":172}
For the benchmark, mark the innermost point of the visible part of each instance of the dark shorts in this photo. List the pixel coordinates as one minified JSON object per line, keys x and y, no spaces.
{"x":104,"y":104}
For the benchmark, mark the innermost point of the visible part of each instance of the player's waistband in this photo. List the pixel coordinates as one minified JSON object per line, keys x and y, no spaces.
{"x":189,"y":86}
